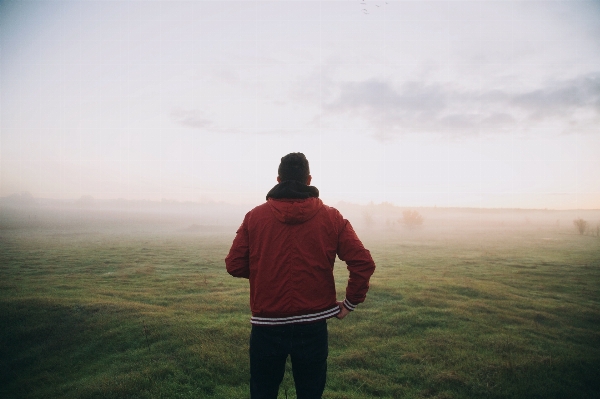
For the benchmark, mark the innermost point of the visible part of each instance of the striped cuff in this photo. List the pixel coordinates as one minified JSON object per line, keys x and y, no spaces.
{"x":349,"y":305}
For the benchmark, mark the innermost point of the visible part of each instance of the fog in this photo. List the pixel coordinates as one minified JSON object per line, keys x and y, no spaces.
{"x":24,"y":214}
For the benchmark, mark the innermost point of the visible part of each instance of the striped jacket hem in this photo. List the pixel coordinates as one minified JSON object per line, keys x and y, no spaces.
{"x":305,"y":318}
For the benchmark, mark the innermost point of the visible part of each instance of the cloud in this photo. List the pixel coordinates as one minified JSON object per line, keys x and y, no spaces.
{"x":419,"y":107}
{"x":191,"y":118}
{"x":562,"y":97}
{"x":379,"y":96}
{"x":195,"y":119}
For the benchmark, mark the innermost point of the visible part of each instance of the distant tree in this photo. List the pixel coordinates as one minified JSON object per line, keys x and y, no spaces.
{"x":411,"y":218}
{"x":368,"y":218}
{"x":581,"y":225}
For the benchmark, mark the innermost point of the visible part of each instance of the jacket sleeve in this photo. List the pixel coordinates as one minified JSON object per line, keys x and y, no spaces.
{"x":359,"y":262}
{"x":238,"y":259}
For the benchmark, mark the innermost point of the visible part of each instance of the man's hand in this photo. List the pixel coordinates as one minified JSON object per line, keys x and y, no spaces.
{"x":343,"y":311}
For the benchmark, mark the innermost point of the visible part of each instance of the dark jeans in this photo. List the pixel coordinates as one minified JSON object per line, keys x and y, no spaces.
{"x":269,"y":349}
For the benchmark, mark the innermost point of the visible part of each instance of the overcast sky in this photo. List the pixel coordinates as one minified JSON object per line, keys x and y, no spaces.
{"x":418,"y":103}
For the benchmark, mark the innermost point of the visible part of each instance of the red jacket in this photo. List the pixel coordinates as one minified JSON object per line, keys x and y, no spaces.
{"x":287,"y":248}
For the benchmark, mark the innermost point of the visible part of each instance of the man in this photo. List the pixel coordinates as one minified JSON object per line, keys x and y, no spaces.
{"x":287,"y":248}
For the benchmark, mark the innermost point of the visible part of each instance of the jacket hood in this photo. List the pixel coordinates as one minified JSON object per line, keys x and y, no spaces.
{"x":293,"y":202}
{"x":294,"y":211}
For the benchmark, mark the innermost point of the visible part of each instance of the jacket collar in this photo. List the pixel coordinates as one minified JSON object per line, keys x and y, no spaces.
{"x":292,"y":189}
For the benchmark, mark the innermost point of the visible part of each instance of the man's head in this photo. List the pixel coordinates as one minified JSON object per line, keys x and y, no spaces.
{"x":294,"y":166}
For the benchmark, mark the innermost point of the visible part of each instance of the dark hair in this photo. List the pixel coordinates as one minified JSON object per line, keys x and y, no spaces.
{"x":294,"y":166}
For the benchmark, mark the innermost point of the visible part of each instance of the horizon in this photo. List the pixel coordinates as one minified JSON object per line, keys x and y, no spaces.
{"x":89,"y":201}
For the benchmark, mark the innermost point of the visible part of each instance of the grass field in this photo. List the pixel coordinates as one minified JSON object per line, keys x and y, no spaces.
{"x":115,"y":312}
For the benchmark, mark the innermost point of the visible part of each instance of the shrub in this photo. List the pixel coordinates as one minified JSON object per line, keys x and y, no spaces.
{"x":581,"y":225}
{"x":411,"y":218}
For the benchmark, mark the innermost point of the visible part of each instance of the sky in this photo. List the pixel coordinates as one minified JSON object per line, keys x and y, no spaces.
{"x":492,"y":104}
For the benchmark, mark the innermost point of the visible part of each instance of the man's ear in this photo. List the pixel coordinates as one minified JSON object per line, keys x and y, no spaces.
{"x":308,"y":180}
{"x":278,"y":179}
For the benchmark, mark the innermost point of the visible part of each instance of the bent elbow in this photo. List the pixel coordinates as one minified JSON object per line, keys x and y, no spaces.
{"x":236,"y":269}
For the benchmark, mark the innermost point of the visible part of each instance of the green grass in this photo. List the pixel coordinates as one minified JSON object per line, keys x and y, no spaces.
{"x":485,"y":313}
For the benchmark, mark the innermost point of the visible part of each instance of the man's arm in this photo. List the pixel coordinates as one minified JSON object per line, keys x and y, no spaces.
{"x":360,"y":265}
{"x":238,"y":259}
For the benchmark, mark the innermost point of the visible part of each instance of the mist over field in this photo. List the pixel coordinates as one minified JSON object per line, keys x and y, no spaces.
{"x":168,"y":216}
